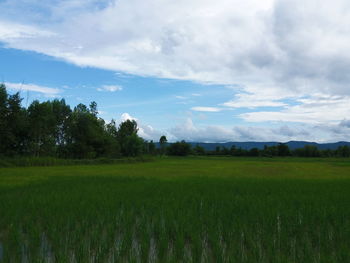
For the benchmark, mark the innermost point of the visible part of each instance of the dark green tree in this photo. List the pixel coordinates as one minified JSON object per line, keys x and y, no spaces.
{"x":162,"y":143}
{"x":126,"y":136}
{"x":17,"y":126}
{"x":179,"y":148}
{"x":199,"y":150}
{"x":87,"y":133}
{"x":151,"y":147}
{"x":4,"y":131}
{"x":283,"y":149}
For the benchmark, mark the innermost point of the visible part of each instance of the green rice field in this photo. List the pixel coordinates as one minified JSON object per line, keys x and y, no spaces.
{"x":178,"y":210}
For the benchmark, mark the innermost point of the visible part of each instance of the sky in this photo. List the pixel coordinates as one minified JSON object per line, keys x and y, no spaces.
{"x":194,"y":70}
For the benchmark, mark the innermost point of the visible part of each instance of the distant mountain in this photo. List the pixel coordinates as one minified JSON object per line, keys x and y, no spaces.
{"x":260,"y":145}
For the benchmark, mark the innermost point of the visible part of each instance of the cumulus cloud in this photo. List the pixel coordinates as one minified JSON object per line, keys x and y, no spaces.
{"x":277,"y":52}
{"x":126,"y":116}
{"x":317,"y":109}
{"x":33,"y":87}
{"x":110,"y":88}
{"x":146,"y":131}
{"x":191,"y":132}
{"x":188,"y":131}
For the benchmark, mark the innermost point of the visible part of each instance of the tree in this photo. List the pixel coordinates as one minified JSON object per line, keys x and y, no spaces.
{"x":133,"y":145}
{"x":93,"y":108}
{"x":87,"y":134}
{"x":112,"y":136}
{"x":4,"y":131}
{"x":254,"y":152}
{"x":179,"y":148}
{"x":225,"y":151}
{"x":151,"y":147}
{"x":343,"y":151}
{"x":283,"y":149}
{"x":162,"y":142}
{"x":199,"y":150}
{"x":127,"y":137}
{"x":62,"y":116}
{"x":307,"y":151}
{"x":17,"y":126}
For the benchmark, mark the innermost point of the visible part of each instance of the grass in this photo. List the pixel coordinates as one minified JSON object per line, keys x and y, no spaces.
{"x":178,"y":210}
{"x":52,"y":161}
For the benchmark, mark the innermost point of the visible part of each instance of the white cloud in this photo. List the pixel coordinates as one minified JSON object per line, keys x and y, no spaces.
{"x":254,"y":101}
{"x":206,"y":109}
{"x":188,"y":131}
{"x":110,"y":88}
{"x":315,"y":110}
{"x":11,"y":32}
{"x":33,"y":87}
{"x":270,"y":51}
{"x":126,"y":116}
{"x":145,"y":131}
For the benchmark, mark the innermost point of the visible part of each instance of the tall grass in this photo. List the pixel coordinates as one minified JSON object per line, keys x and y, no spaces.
{"x":177,"y":210}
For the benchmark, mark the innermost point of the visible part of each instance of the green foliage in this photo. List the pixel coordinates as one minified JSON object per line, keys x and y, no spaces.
{"x":179,"y":148}
{"x":308,"y":151}
{"x":343,"y":151}
{"x":151,"y":147}
{"x":198,"y":150}
{"x":52,"y":129}
{"x":163,"y":142}
{"x":4,"y":131}
{"x":130,"y":143}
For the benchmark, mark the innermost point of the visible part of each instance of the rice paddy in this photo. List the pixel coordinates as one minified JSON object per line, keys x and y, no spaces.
{"x":178,"y":210}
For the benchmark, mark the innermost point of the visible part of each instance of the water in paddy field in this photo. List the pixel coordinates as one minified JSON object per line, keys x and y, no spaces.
{"x":1,"y":252}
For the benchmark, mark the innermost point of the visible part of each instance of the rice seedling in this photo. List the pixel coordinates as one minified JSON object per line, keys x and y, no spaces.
{"x":177,"y":210}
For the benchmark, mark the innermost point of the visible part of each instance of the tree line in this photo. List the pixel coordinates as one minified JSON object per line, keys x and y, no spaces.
{"x":280,"y":150}
{"x":54,"y":129}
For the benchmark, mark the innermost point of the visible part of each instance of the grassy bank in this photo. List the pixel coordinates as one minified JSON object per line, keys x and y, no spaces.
{"x":178,"y":209}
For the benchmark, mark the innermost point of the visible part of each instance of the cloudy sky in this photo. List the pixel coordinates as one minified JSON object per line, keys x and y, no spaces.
{"x":199,"y":70}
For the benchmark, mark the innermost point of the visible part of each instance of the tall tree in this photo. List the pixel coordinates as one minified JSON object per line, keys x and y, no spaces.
{"x":4,"y":131}
{"x":179,"y":148}
{"x":17,"y":125}
{"x":130,"y":143}
{"x":151,"y":147}
{"x":162,"y":142}
{"x":42,"y":128}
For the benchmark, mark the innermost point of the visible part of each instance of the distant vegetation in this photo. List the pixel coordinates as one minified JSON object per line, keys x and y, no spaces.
{"x":280,"y":150}
{"x":54,"y":129}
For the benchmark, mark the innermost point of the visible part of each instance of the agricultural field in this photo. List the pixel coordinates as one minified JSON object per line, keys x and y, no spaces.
{"x":178,"y":210}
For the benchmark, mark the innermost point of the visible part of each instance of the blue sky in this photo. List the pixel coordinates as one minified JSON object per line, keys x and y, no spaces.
{"x":229,"y":71}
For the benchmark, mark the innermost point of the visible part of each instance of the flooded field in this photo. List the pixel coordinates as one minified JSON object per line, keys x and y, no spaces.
{"x":178,"y":210}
